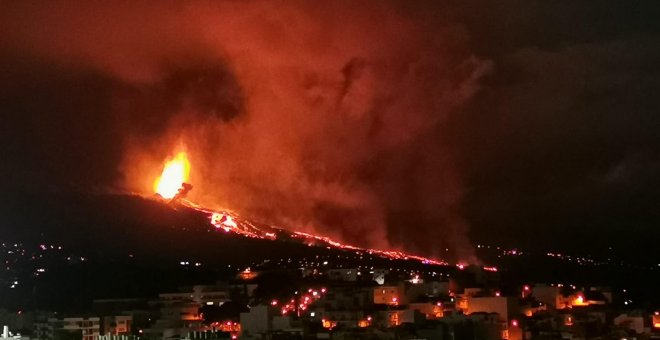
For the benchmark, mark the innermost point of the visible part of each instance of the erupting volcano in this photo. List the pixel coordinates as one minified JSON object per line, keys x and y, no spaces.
{"x":175,"y":173}
{"x":172,"y":185}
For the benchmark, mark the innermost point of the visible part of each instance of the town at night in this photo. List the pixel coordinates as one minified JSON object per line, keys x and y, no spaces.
{"x":438,"y":170}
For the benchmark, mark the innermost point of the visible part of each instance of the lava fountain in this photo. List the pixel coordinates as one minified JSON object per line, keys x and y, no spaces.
{"x":175,"y":173}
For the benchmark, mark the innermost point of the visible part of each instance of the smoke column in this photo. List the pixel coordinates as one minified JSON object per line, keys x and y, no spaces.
{"x":318,"y":116}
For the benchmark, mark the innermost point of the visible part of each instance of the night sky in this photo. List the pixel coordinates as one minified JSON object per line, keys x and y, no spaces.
{"x":416,"y":125}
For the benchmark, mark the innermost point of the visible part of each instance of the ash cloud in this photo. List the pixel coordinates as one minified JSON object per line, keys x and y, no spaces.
{"x":319,"y":116}
{"x":382,"y":123}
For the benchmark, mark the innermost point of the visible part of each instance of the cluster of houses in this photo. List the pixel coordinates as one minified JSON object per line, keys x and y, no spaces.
{"x":340,"y":304}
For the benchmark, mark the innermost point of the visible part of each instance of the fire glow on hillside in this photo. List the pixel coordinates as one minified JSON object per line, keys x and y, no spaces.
{"x":172,"y":185}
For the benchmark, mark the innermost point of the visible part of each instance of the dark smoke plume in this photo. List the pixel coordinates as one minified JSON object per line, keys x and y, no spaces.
{"x":324,"y":116}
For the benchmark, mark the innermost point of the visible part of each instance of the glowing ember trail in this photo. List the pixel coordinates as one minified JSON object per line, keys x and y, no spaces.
{"x":173,"y":181}
{"x":175,"y":173}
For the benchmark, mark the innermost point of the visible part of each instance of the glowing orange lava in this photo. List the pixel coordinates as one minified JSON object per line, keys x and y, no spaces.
{"x":175,"y":172}
{"x":579,"y":301}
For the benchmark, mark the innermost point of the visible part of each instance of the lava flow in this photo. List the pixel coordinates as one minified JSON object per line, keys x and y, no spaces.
{"x":172,"y":185}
